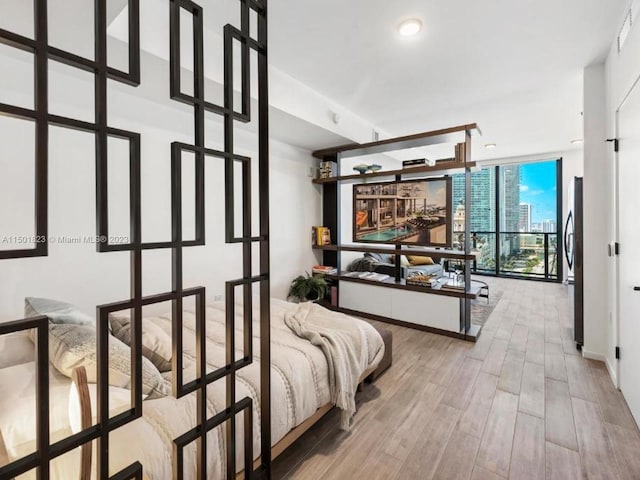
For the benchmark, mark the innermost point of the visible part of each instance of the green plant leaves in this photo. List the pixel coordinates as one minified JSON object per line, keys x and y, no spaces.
{"x":308,"y":287}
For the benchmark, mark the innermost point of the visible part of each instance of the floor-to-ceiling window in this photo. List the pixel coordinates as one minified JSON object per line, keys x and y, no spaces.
{"x":515,"y":224}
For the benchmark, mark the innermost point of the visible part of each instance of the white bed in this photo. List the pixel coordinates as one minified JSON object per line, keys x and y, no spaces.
{"x":299,"y":390}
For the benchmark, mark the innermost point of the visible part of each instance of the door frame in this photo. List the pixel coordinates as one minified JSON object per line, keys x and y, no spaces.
{"x":616,"y":320}
{"x":614,"y":370}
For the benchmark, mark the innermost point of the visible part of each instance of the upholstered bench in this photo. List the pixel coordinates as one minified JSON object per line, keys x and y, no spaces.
{"x":385,"y":363}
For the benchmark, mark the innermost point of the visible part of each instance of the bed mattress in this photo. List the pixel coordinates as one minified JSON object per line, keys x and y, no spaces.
{"x":299,"y":387}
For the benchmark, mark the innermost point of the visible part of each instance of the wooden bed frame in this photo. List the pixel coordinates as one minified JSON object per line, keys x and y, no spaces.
{"x":298,"y":431}
{"x":79,"y":377}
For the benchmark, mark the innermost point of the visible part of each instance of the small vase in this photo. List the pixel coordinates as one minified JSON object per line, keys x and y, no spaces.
{"x":361,"y":168}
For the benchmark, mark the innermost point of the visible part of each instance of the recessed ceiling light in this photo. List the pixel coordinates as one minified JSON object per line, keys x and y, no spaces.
{"x":410,"y":27}
{"x":490,"y":145}
{"x":577,"y":141}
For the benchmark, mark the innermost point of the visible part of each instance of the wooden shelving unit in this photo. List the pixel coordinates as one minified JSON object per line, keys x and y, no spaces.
{"x":438,"y":168}
{"x":460,"y":136}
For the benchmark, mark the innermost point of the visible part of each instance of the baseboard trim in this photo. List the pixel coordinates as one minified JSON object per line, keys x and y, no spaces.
{"x":594,"y":356}
{"x":603,"y":358}
{"x":612,"y":373}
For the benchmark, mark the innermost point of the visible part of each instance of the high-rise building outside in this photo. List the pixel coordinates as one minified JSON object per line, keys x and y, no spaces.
{"x":526,"y":210}
{"x":483,"y":198}
{"x":510,"y":192}
{"x":549,"y":226}
{"x":483,"y":213}
{"x":510,"y":208}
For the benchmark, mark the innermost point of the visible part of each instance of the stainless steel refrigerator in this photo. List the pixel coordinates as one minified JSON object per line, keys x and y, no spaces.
{"x":573,"y":250}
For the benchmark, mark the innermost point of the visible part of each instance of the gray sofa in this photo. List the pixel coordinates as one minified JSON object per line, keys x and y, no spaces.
{"x":383,"y":263}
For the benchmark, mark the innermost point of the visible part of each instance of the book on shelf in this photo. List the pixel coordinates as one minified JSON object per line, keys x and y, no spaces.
{"x":320,"y":236}
{"x":414,"y":163}
{"x":328,"y":170}
{"x":460,"y":153}
{"x":378,"y":277}
{"x":334,"y":296}
{"x":324,"y":270}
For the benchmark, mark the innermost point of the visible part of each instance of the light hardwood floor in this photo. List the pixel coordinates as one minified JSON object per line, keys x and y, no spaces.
{"x":520,"y":404}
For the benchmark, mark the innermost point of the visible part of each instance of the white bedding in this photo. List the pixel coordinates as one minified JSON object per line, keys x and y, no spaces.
{"x":15,"y":349}
{"x":299,"y":386}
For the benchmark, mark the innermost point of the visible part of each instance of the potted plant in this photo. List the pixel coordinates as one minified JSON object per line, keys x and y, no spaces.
{"x":308,"y":287}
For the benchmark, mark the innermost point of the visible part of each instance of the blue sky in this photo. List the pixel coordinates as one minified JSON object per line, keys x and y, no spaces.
{"x":538,"y":188}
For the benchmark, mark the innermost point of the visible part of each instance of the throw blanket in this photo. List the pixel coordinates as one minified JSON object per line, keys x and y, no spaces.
{"x":345,"y":347}
{"x":363,"y":264}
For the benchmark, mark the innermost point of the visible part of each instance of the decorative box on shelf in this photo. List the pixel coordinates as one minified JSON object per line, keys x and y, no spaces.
{"x":422,"y":280}
{"x":328,"y":170}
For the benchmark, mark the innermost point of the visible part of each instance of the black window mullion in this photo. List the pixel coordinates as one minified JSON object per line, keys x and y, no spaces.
{"x":497,"y":229}
{"x":559,"y":217}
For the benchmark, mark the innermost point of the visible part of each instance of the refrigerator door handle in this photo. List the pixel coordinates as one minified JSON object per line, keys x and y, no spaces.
{"x":567,"y":239}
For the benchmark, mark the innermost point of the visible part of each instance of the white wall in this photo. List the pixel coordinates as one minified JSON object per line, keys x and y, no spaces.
{"x":597,"y":212}
{"x":75,"y":272}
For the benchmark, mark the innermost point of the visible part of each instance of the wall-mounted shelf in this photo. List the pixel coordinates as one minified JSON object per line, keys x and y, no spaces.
{"x":472,"y":293}
{"x":428,"y":252}
{"x":438,"y":168}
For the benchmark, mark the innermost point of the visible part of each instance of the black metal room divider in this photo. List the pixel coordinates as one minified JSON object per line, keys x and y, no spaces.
{"x":43,"y":52}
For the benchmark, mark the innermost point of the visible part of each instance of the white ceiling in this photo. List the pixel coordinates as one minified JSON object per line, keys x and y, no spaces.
{"x":515,"y":68}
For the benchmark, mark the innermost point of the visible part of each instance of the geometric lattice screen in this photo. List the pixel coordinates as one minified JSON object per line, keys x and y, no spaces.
{"x":102,"y":130}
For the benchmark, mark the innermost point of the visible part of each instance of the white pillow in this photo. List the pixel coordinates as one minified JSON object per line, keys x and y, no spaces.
{"x":18,"y":408}
{"x":72,"y":346}
{"x":15,"y":349}
{"x":156,"y":343}
{"x":58,"y":312}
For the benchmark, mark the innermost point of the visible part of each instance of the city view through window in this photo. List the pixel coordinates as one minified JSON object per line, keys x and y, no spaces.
{"x":514,"y":219}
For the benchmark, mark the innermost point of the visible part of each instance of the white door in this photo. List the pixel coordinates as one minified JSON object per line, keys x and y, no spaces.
{"x":629,"y":260}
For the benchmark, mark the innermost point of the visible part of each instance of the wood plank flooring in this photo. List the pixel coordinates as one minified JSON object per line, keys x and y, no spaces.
{"x":521,"y":404}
